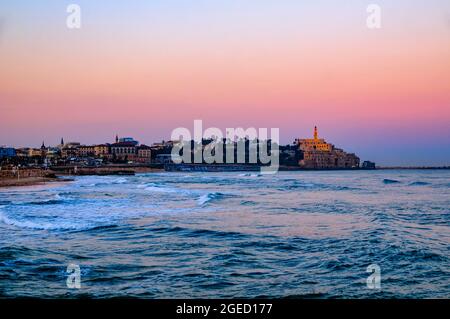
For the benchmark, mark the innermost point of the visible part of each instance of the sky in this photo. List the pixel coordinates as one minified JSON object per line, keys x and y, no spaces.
{"x":144,"y":68}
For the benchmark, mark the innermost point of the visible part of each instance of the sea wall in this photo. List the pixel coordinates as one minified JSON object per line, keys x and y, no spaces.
{"x":104,"y":170}
{"x":210,"y":167}
{"x":26,"y":172}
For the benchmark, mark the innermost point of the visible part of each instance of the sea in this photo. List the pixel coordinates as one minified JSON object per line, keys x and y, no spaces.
{"x":303,"y":234}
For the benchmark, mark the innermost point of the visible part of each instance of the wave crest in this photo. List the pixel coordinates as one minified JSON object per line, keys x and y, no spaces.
{"x":61,"y":225}
{"x":206,"y":198}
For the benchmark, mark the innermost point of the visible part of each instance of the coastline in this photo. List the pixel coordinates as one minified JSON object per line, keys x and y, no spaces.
{"x":30,"y":181}
{"x":64,"y":175}
{"x":412,"y":167}
{"x":104,"y":170}
{"x":32,"y":177}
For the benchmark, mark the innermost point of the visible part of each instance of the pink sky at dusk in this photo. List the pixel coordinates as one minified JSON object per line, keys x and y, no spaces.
{"x":384,"y":94}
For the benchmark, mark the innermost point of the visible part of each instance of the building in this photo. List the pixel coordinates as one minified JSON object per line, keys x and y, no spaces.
{"x":102,"y":150}
{"x":70,"y":149}
{"x":124,"y":151}
{"x":318,"y":154}
{"x":43,"y":150}
{"x":61,"y":144}
{"x":33,"y":152}
{"x":368,"y":165}
{"x":69,"y":152}
{"x":7,"y":152}
{"x":314,"y":144}
{"x":86,"y":151}
{"x":164,"y":158}
{"x":53,"y":153}
{"x":72,"y":145}
{"x":144,"y":154}
{"x":127,"y":140}
{"x":22,"y":152}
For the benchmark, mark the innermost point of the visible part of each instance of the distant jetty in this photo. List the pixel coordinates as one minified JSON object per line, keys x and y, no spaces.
{"x":124,"y":169}
{"x":28,"y":177}
{"x":413,"y":167}
{"x":36,"y":176}
{"x":211,"y":167}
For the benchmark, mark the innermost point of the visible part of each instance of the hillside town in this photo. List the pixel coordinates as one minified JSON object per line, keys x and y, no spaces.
{"x":309,"y":153}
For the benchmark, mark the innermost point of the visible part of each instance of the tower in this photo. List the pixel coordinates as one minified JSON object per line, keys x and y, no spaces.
{"x":117,"y":138}
{"x":62,"y":141}
{"x":43,"y":150}
{"x":316,"y":135}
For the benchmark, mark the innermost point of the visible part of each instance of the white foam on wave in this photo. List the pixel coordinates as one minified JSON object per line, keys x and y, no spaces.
{"x":154,"y":187}
{"x":250,"y":175}
{"x":202,"y":200}
{"x":90,"y":185}
{"x":42,"y":225}
{"x":33,"y":225}
{"x":205,"y":198}
{"x":120,"y":181}
{"x":160,"y":189}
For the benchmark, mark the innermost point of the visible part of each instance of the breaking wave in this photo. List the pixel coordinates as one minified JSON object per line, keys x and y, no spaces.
{"x":243,"y":227}
{"x":250,"y":175}
{"x":120,"y":181}
{"x":160,"y":189}
{"x":32,"y":225}
{"x":206,"y":198}
{"x":61,"y":224}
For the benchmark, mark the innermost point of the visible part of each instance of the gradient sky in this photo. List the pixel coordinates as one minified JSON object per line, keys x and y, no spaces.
{"x":143,"y":68}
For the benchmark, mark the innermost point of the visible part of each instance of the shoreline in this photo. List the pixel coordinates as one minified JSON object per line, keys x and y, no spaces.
{"x":65,"y":176}
{"x":412,"y":168}
{"x":31,"y":181}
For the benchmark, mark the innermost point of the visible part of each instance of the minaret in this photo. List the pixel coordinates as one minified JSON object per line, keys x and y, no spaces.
{"x":316,"y":135}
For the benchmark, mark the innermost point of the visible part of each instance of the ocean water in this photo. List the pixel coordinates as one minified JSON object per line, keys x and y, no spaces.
{"x":210,"y":235}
